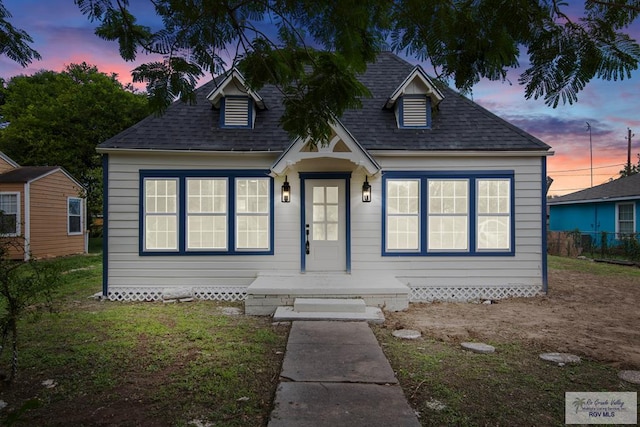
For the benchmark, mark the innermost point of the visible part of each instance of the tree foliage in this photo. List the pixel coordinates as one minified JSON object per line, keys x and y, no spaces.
{"x":24,"y":287}
{"x":14,"y":42}
{"x":58,"y":119}
{"x":630,"y":168}
{"x":313,"y":50}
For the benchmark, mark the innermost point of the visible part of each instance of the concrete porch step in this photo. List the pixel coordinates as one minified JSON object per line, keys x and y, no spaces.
{"x":338,"y":305}
{"x":287,"y":313}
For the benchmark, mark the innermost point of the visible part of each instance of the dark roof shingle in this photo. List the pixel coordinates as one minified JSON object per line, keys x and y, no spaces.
{"x":26,"y":173}
{"x":458,"y":124}
{"x":621,"y":188}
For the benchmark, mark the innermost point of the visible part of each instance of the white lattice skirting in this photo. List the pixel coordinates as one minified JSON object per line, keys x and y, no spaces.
{"x":155,"y":294}
{"x":467,"y":293}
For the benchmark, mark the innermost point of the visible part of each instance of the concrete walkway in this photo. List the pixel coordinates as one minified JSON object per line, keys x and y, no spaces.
{"x":335,"y":374}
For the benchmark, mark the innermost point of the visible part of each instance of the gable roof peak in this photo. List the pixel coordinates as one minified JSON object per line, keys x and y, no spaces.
{"x":417,"y":74}
{"x":234,"y":83}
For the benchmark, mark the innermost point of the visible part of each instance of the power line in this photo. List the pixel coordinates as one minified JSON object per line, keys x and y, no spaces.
{"x":586,"y":169}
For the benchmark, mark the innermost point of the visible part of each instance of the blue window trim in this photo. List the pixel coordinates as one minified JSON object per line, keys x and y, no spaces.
{"x":249,"y":124}
{"x":472,"y":177}
{"x":182,"y":176}
{"x":401,"y":124}
{"x":324,"y":175}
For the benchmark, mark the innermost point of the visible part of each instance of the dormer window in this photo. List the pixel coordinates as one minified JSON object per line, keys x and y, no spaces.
{"x":237,"y":111}
{"x":237,"y":102}
{"x":414,"y":111}
{"x":413,"y":100}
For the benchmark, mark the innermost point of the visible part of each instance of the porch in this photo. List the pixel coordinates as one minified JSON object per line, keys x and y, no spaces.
{"x":272,"y":290}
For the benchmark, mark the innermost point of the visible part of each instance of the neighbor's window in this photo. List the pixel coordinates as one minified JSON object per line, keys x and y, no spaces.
{"x":9,"y":214}
{"x":448,"y":219}
{"x":403,"y":214}
{"x":207,"y":213}
{"x":625,"y":219}
{"x":74,"y":215}
{"x":494,"y":214}
{"x":160,"y":214}
{"x":252,"y":213}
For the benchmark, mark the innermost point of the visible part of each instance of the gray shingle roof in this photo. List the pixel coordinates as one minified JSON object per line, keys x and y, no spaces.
{"x":622,"y":188}
{"x":26,"y":173}
{"x":459,"y":124}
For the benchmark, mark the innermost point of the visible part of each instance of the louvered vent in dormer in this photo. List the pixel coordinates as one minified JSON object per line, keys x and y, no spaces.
{"x":415,"y":112}
{"x":237,"y":112}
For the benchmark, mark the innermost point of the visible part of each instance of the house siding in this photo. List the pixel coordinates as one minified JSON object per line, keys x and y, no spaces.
{"x":5,"y":166}
{"x":523,"y":268}
{"x":49,"y":237}
{"x":589,"y":218}
{"x":128,"y":269}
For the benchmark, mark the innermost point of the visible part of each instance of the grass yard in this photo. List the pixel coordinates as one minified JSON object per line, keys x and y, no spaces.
{"x":141,"y":364}
{"x":99,"y":363}
{"x":590,"y":310}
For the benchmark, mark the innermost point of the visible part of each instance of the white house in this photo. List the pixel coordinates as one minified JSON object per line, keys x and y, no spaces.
{"x":421,"y":195}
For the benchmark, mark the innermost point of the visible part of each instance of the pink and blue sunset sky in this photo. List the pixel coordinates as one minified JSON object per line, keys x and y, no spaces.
{"x":62,"y":35}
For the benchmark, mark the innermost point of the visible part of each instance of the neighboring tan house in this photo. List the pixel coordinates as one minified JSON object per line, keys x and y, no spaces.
{"x":43,"y":211}
{"x":421,"y":195}
{"x":610,"y":208}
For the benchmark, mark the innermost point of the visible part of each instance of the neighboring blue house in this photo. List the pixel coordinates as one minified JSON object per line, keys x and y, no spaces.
{"x":420,"y":195}
{"x":611,"y":207}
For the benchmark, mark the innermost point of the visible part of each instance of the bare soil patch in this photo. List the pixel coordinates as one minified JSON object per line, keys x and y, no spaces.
{"x":593,"y":316}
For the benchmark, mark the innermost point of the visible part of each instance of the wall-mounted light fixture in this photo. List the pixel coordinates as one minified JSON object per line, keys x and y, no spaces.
{"x":366,"y":190}
{"x":286,"y":191}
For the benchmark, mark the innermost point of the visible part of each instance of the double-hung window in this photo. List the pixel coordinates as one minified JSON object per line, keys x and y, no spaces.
{"x":9,"y":214}
{"x":206,"y":212}
{"x":161,"y":214}
{"x":403,"y":214}
{"x":434,"y":213}
{"x":74,"y":215}
{"x":494,"y":214}
{"x":625,"y":223}
{"x":448,"y":220}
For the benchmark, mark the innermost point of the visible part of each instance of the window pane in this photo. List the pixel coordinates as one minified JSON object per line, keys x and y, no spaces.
{"x":8,"y":224}
{"x":160,"y":195}
{"x":9,"y":203}
{"x":207,"y":232}
{"x":74,"y":206}
{"x":332,"y":194}
{"x":493,"y":196}
{"x":252,"y":232}
{"x":318,"y":213}
{"x":402,"y":197}
{"x":493,"y":232}
{"x":161,"y":232}
{"x":448,"y":233}
{"x":207,"y":195}
{"x":332,"y":232}
{"x":625,"y":218}
{"x":402,"y":232}
{"x":318,"y":194}
{"x":448,"y":197}
{"x":319,"y":231}
{"x":252,"y":195}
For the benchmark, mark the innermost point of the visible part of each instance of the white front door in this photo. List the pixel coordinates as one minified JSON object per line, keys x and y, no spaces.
{"x":325,"y":225}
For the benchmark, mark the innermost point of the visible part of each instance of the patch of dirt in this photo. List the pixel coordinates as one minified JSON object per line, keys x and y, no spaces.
{"x":596,"y":317}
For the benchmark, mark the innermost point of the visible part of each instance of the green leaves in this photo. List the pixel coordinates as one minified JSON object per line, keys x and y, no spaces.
{"x":278,"y":42}
{"x":14,"y":43}
{"x":59,"y":118}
